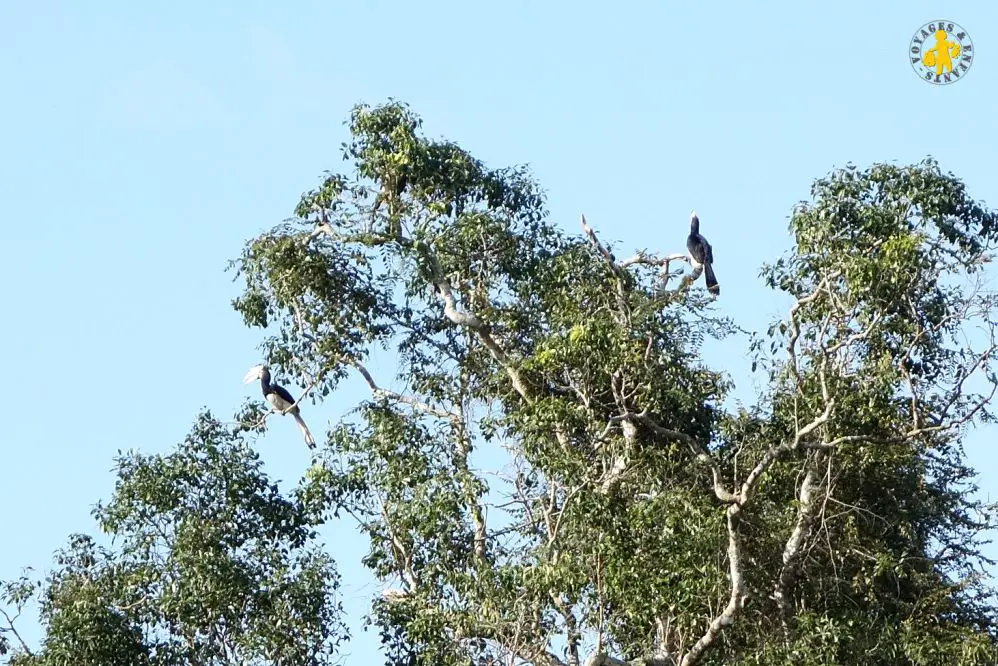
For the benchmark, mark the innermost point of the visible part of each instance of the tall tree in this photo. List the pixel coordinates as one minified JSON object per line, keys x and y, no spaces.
{"x":552,"y":478}
{"x":209,"y":566}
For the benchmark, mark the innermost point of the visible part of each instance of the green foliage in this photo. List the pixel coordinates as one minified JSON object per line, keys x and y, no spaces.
{"x":619,"y":508}
{"x":552,"y":475}
{"x":210,"y":564}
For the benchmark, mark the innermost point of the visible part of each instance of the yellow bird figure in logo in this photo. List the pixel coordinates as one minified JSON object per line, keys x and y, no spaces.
{"x":942,"y":54}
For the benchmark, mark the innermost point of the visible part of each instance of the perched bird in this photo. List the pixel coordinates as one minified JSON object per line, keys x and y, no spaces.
{"x":701,"y":254}
{"x":279,"y":399}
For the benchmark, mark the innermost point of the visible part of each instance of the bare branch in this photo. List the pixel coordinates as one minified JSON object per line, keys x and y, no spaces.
{"x":775,"y":451}
{"x":452,"y":311}
{"x":641,"y":258}
{"x":398,"y":397}
{"x":10,"y":628}
{"x":855,"y":337}
{"x":605,"y":253}
{"x":461,"y":318}
{"x":650,"y":260}
{"x":614,"y":268}
{"x":829,"y":445}
{"x":795,"y":325}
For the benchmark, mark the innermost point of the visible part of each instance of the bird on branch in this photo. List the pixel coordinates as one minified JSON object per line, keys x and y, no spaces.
{"x":279,"y":399}
{"x":701,"y":255}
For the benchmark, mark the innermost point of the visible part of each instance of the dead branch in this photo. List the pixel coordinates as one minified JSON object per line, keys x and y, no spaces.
{"x":795,"y":324}
{"x":605,"y":253}
{"x":641,"y":258}
{"x":651,"y":260}
{"x":619,"y":273}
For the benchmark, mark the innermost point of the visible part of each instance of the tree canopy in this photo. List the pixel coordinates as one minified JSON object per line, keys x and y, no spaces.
{"x":209,"y":565}
{"x":550,"y":475}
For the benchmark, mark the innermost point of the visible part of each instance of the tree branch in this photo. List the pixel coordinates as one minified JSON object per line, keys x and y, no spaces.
{"x":461,"y":462}
{"x":793,"y":550}
{"x":741,"y":500}
{"x":10,"y":628}
{"x":795,"y":325}
{"x":403,"y":556}
{"x":398,"y":397}
{"x":618,"y":272}
{"x":702,"y":456}
{"x":641,"y":258}
{"x":573,"y":636}
{"x":461,"y":318}
{"x":737,"y":599}
{"x":602,"y":659}
{"x":451,"y":309}
{"x":605,"y":253}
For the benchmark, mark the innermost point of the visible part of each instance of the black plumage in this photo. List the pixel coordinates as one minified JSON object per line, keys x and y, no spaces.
{"x":702,"y":254}
{"x":280,"y":399}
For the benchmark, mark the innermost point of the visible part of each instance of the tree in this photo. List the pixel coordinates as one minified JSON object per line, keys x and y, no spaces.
{"x":553,"y":478}
{"x":210,"y":565}
{"x":619,"y":513}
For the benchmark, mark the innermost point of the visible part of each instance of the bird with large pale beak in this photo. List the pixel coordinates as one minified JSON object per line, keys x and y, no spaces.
{"x":279,"y":399}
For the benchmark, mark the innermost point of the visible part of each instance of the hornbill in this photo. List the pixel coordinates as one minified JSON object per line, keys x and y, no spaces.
{"x":701,"y":254}
{"x":279,"y":399}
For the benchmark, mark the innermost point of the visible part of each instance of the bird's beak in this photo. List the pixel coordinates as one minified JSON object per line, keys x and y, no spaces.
{"x":253,"y":374}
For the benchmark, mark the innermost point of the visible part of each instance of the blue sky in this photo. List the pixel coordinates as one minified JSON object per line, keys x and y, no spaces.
{"x":142,"y":144}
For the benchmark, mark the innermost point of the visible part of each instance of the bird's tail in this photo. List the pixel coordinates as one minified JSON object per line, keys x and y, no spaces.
{"x":708,"y":273}
{"x":304,"y":431}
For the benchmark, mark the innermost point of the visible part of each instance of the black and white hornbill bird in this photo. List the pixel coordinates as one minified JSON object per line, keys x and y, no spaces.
{"x":279,"y":399}
{"x":702,"y":254}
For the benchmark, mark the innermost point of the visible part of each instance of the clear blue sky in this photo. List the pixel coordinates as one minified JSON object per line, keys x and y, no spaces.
{"x":143,"y":143}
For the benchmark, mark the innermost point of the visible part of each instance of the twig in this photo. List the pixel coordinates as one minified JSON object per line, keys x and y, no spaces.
{"x":13,"y":630}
